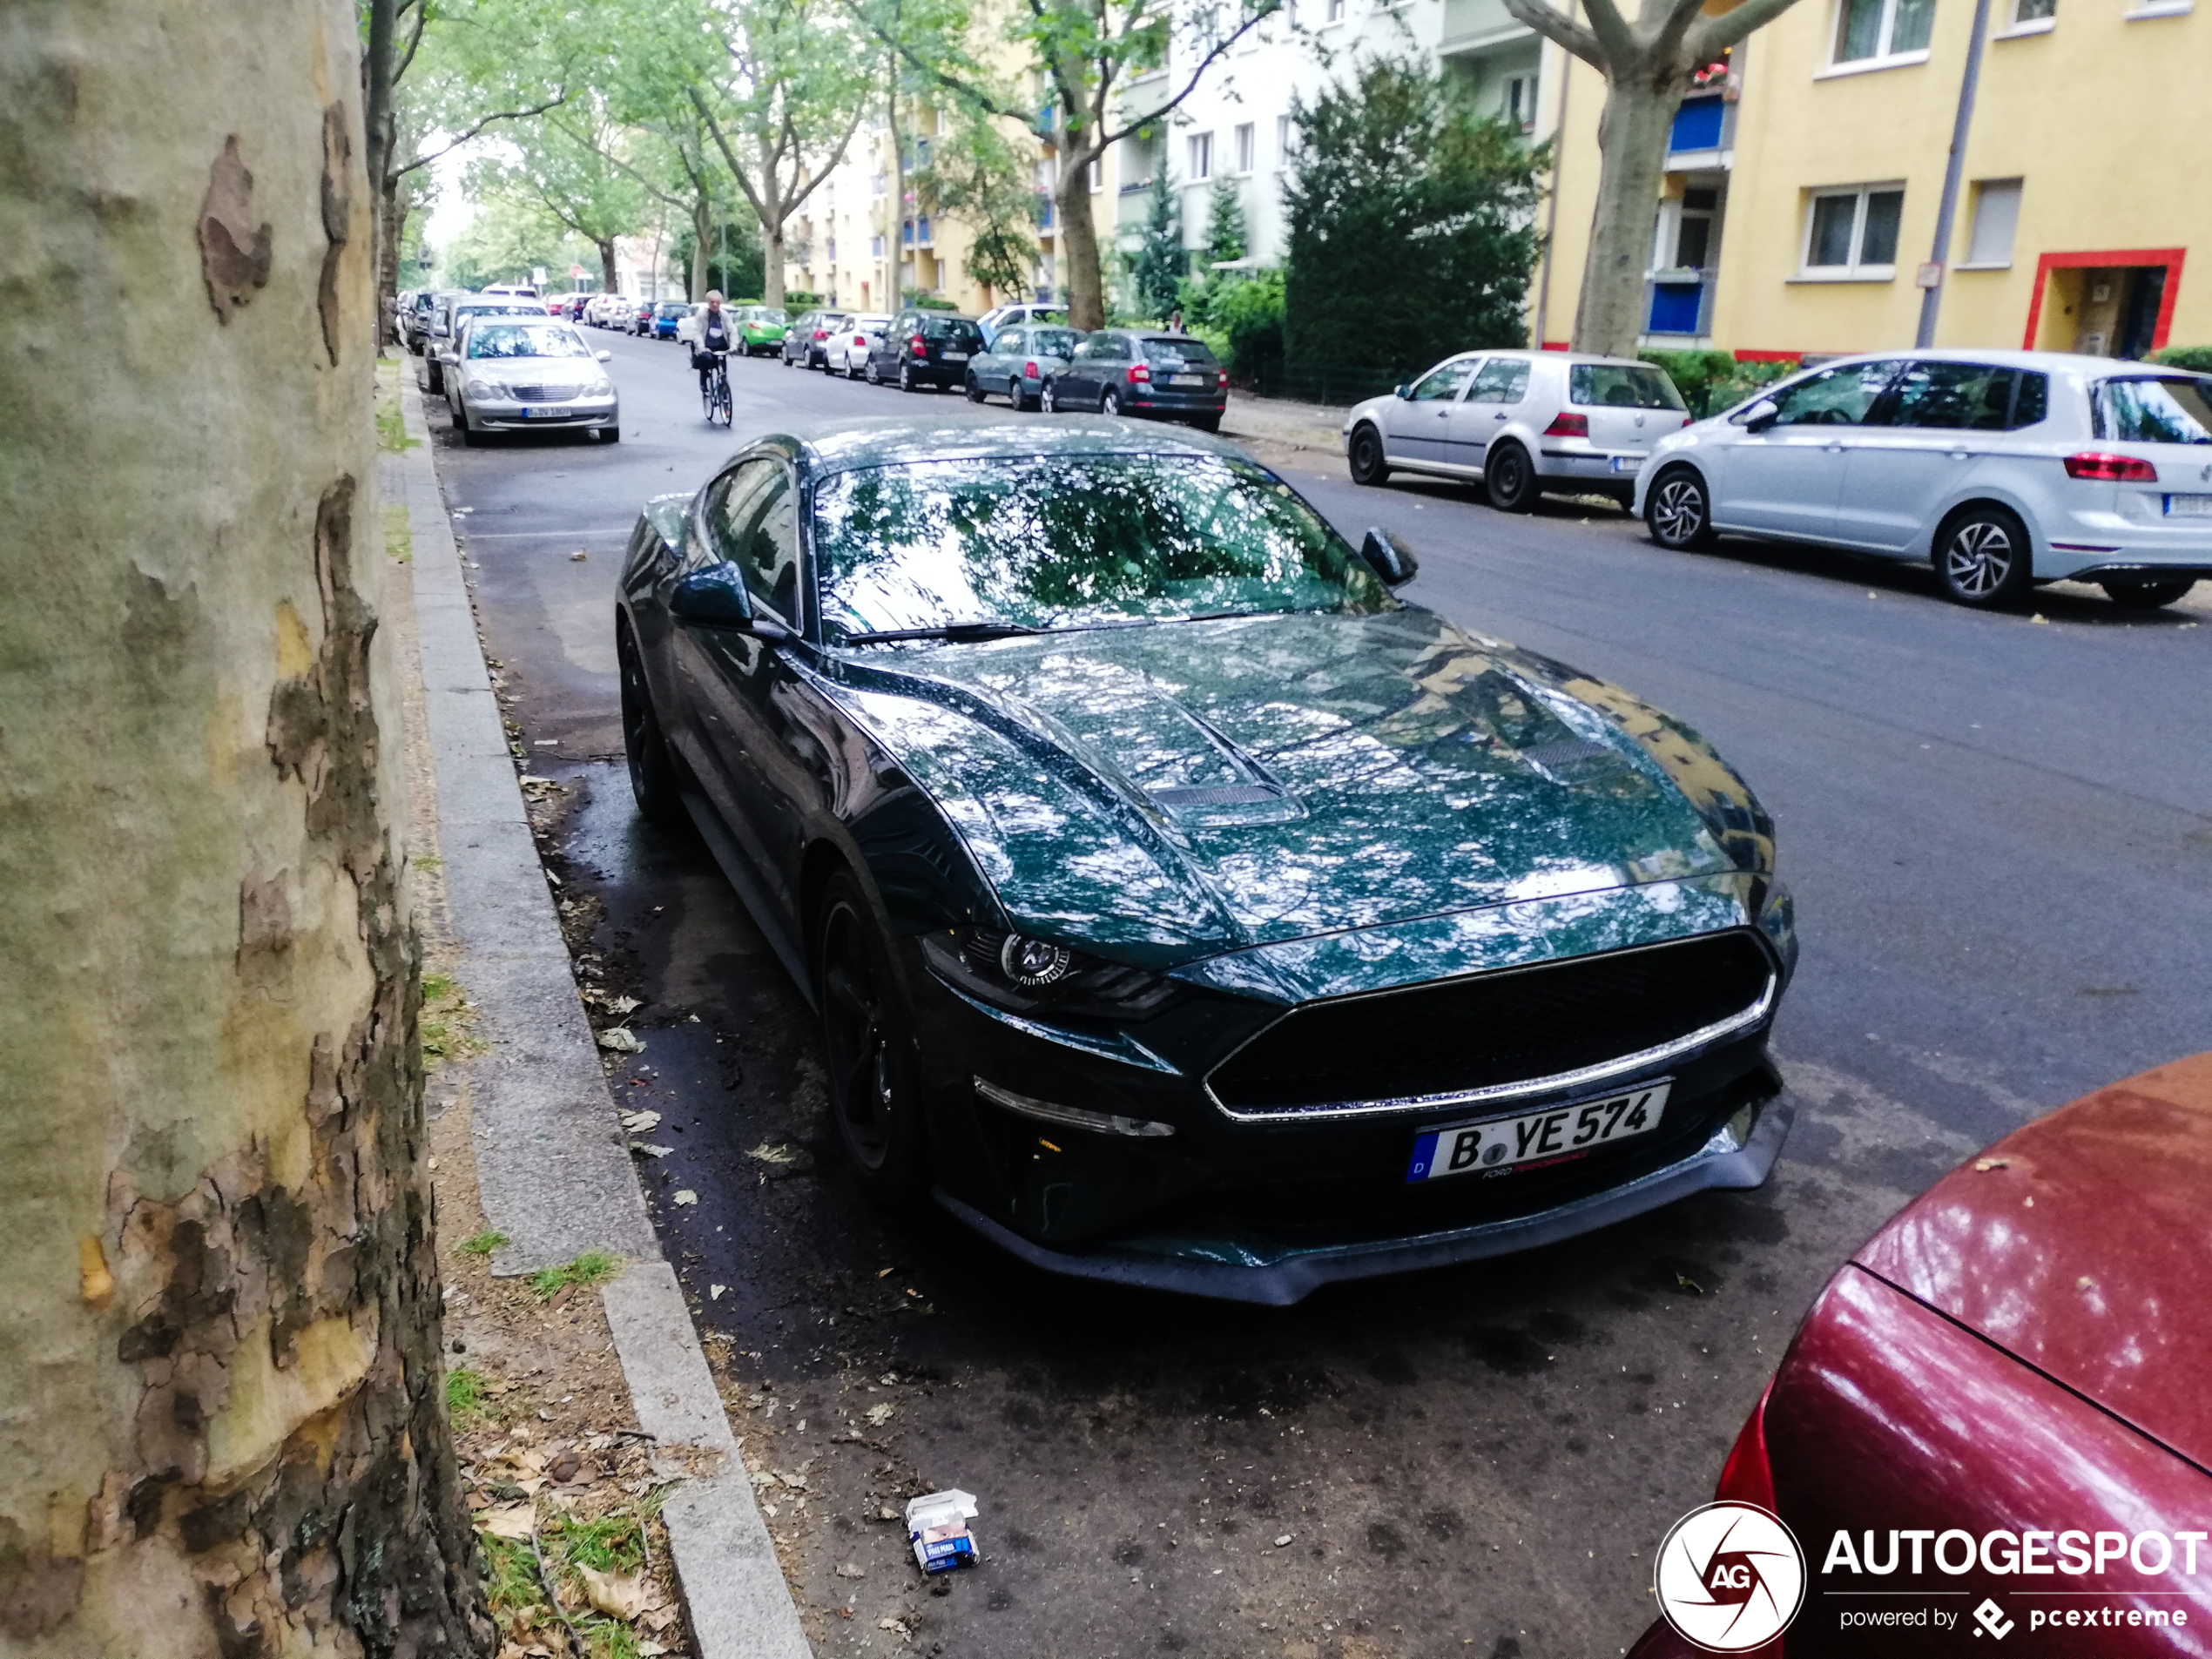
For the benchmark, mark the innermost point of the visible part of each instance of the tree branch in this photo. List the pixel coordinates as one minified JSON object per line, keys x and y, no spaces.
{"x":1220,"y":49}
{"x":427,"y":156}
{"x":828,"y":167}
{"x":1709,"y":36}
{"x":729,"y":156}
{"x":970,"y":91}
{"x":421,"y":16}
{"x":1562,"y":30}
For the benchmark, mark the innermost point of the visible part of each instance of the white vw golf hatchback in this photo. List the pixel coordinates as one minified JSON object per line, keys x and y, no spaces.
{"x":2005,"y":468}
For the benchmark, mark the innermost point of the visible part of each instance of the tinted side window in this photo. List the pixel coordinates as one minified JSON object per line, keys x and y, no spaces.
{"x":1835,"y":396}
{"x":1012,"y":341}
{"x":1503,"y":380}
{"x":1956,"y":397}
{"x":729,"y":506}
{"x":754,"y":527}
{"x":1442,"y":385}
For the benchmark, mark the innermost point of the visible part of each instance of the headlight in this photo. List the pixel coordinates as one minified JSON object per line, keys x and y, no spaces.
{"x":601,"y":388}
{"x":488,"y":386}
{"x":1035,"y":975}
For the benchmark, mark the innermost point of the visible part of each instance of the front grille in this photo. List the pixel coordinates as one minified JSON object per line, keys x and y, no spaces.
{"x":547,"y":393}
{"x":1494,"y":1030}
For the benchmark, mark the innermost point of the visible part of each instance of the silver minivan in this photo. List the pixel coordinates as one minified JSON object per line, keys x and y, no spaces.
{"x":1521,"y":423}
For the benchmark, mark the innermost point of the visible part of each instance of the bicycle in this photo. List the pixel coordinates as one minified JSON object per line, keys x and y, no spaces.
{"x":714,"y":391}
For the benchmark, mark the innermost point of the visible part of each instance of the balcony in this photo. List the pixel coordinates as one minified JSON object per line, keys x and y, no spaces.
{"x":1040,"y":211}
{"x":1703,"y":135}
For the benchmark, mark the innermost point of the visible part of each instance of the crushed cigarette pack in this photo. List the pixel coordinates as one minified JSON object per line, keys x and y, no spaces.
{"x":937,"y":1526}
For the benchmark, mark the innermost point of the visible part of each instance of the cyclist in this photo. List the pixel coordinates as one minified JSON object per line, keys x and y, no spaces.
{"x":716,"y":339}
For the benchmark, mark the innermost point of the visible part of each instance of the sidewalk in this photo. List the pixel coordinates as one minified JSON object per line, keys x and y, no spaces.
{"x":554,"y":1172}
{"x":1274,"y":420}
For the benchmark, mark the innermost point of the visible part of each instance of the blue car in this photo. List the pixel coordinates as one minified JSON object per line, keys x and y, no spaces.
{"x":664,"y":319}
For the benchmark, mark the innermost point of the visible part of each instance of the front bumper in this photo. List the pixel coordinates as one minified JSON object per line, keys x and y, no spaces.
{"x":1176,"y":404}
{"x":504,"y":415}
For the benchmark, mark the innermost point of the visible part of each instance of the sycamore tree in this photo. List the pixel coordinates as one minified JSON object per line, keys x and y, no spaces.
{"x":221,"y":1422}
{"x":562,"y":167}
{"x":1088,"y":52}
{"x":1647,"y":65}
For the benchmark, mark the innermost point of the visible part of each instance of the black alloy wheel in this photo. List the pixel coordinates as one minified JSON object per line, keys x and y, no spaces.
{"x":652,"y":768}
{"x":2146,"y":596}
{"x":1677,"y":512}
{"x":1984,"y":559}
{"x":973,"y":388}
{"x":1368,"y":464}
{"x":868,"y":1048}
{"x":1509,"y":478}
{"x":907,"y":377}
{"x":873,"y":376}
{"x":1109,"y":401}
{"x":469,"y":435}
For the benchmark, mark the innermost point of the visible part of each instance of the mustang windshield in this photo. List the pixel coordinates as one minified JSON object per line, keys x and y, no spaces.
{"x":1072,"y":542}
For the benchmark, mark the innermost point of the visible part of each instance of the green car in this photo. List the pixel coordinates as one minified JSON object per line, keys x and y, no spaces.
{"x":1184,"y":908}
{"x":761,"y":328}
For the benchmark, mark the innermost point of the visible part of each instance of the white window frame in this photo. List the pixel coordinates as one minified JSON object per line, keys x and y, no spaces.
{"x":1096,"y":174}
{"x":1982,"y":187}
{"x":1332,"y":12}
{"x":1285,"y":143}
{"x":1244,"y":148}
{"x":1855,"y":271}
{"x":2016,"y":26}
{"x":1882,"y":59}
{"x":1197,"y":151}
{"x":1533,"y":81}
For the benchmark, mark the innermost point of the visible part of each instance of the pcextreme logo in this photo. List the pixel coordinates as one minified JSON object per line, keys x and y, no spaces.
{"x":1729,"y":1577}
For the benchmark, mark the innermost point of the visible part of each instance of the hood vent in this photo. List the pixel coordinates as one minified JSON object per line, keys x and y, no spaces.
{"x":1219,"y":795}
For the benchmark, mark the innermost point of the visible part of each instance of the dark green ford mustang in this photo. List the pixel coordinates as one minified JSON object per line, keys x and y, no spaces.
{"x":1183,"y":909}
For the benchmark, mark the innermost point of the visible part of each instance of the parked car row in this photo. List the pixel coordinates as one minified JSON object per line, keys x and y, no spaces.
{"x":1032,"y":364}
{"x":2004,"y":470}
{"x":517,"y":370}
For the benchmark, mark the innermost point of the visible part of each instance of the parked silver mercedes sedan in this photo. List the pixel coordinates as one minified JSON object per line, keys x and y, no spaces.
{"x":1521,"y":423}
{"x":520,"y":374}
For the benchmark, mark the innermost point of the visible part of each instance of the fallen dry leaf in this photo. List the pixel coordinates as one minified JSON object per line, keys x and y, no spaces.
{"x":507,"y":1521}
{"x":619,"y":1006}
{"x":768,"y":1154}
{"x":714,"y":1292}
{"x":1985,"y":1165}
{"x":687,"y":1196}
{"x":620,"y":1039}
{"x":619,"y":1595}
{"x":640,"y":1123}
{"x":879,"y":1415}
{"x":651,"y":1150}
{"x":849,"y":1569}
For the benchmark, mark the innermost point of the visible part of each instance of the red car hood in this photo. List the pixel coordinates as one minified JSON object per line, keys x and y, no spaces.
{"x":2083,"y":1244}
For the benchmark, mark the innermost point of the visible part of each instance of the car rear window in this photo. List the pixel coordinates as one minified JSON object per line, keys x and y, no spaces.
{"x":1171,"y":350}
{"x":2156,"y":410}
{"x":1627,"y":386}
{"x":953,"y":329}
{"x":1054,"y":342}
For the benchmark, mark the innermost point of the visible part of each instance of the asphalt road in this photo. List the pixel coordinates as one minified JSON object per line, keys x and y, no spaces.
{"x":1999,"y":833}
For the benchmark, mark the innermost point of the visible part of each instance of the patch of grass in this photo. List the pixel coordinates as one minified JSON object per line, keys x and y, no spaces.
{"x":482,"y":1244}
{"x":427,"y":861}
{"x":510,"y":1580}
{"x":611,"y":1544}
{"x":464,"y":1395}
{"x":398,"y":539}
{"x":446,"y":1028}
{"x":593,"y":1267}
{"x":391,"y":426}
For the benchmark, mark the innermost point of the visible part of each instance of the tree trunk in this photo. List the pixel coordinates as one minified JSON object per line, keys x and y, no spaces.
{"x":392,"y":228}
{"x":608,"y":281}
{"x":219,"y":1338}
{"x":771,"y":258}
{"x":702,"y":233}
{"x":1632,"y":150}
{"x":1078,"y":240}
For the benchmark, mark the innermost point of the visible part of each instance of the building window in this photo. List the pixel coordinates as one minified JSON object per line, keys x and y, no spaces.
{"x":1285,"y":140}
{"x":1201,"y":154}
{"x":2031,"y":11}
{"x":875,"y":247}
{"x":1245,"y":147}
{"x":1520,"y":101}
{"x":1331,"y":11}
{"x":1095,"y":176}
{"x":1870,"y":31}
{"x":1997,"y":217}
{"x":1853,"y":232}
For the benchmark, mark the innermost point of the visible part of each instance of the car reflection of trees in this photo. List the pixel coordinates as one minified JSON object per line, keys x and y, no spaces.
{"x":1045,"y":541}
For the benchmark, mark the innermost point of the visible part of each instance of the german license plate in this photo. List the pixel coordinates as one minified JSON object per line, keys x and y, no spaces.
{"x":1188,"y":380}
{"x":1627,"y":463}
{"x":1549,"y":1136}
{"x":546,"y":412}
{"x":956,"y":356}
{"x":2189,"y":506}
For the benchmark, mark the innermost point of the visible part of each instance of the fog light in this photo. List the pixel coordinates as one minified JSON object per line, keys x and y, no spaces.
{"x":1032,"y":962}
{"x":1048,"y":1111}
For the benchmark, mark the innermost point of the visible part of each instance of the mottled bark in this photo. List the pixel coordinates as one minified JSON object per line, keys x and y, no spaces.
{"x":1078,"y":242}
{"x":609,"y":278}
{"x":702,"y":229}
{"x":220,"y":1417}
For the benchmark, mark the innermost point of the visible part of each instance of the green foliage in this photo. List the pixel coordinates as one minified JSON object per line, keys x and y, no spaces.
{"x":1157,"y":270}
{"x":464,"y":1396}
{"x":1408,"y":206}
{"x":1226,"y":232}
{"x":482,"y":1244}
{"x":503,"y":243}
{"x":740,"y":272}
{"x":593,"y":1267}
{"x":976,"y":177}
{"x":2197,"y":358}
{"x":1712,"y":381}
{"x":923,"y":301}
{"x":1249,"y":315}
{"x":799,"y":300}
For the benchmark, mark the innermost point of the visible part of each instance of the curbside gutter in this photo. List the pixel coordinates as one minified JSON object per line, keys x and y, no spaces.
{"x":553,"y":1169}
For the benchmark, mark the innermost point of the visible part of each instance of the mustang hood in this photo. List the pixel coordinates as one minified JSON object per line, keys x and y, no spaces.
{"x":1219,"y":784}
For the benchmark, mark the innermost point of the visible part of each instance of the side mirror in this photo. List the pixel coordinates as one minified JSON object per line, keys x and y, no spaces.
{"x":605,"y":356}
{"x":1761,"y":415}
{"x":716,"y":598}
{"x":1390,"y":558}
{"x":1402,"y":391}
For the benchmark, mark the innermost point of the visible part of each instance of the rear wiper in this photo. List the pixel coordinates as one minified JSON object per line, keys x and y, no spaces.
{"x":957,"y":631}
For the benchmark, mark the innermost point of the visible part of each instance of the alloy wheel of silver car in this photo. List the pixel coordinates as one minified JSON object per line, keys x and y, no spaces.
{"x":1676,"y":513}
{"x":1983,"y":560}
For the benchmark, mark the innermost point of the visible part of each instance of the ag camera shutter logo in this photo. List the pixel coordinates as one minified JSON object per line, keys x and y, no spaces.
{"x":1729,"y":1577}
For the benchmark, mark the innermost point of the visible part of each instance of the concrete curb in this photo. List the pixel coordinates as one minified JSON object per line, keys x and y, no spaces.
{"x":553,"y":1169}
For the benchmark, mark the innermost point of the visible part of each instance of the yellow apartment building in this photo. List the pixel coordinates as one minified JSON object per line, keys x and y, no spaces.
{"x":1800,"y":205}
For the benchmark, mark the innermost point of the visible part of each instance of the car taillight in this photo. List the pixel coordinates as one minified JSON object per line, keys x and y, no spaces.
{"x":1747,"y":1477}
{"x":918,"y":344}
{"x":2099,"y":466}
{"x":821,"y":333}
{"x":1028,"y":371}
{"x":1138,"y":375}
{"x":860,"y":339}
{"x":1569,"y":426}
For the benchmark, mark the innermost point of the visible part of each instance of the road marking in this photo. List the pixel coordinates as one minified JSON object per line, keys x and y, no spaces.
{"x":522,"y":536}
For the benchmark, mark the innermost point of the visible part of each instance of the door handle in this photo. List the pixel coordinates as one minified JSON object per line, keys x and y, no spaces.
{"x":1499,"y":415}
